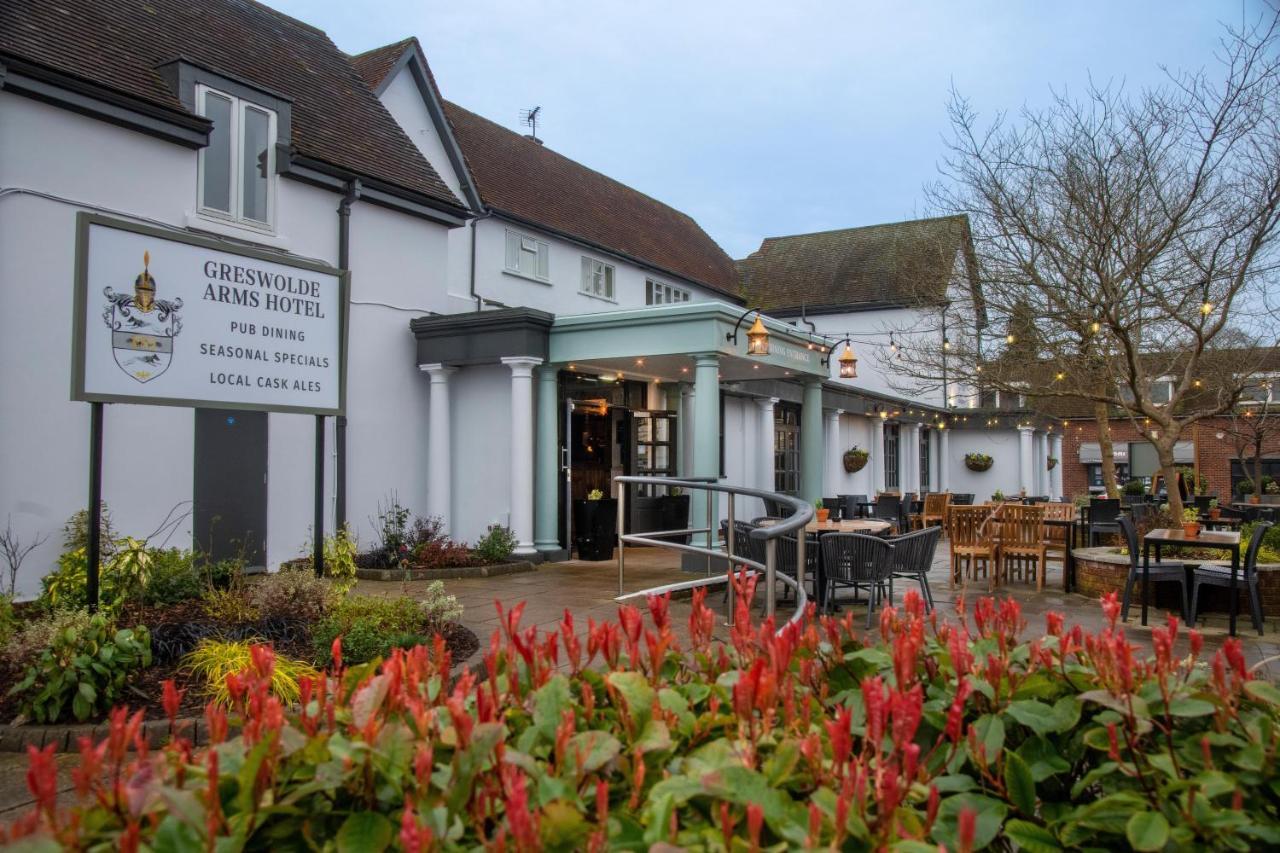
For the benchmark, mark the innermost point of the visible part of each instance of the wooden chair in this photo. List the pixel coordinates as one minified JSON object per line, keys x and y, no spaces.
{"x":1022,"y":541}
{"x":971,"y":543}
{"x":933,"y":512}
{"x":1055,"y":536}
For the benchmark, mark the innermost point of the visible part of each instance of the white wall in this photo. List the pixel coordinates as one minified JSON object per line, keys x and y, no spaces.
{"x":481,"y":429}
{"x":1001,"y":444}
{"x":854,"y":429}
{"x":148,"y":450}
{"x":406,"y":105}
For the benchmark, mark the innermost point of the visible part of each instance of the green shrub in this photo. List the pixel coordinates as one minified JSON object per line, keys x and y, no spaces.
{"x":927,"y":732}
{"x":496,"y":545}
{"x":1244,"y":486}
{"x":8,"y":621}
{"x":1270,"y":550}
{"x":173,"y":578}
{"x":75,"y":533}
{"x":370,"y":626}
{"x":122,"y":576}
{"x":1134,"y":488}
{"x":291,"y":595}
{"x":83,"y":670}
{"x":230,"y":606}
{"x":33,"y":636}
{"x":220,"y":574}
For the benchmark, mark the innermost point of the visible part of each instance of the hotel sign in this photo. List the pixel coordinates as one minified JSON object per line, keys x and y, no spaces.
{"x":167,"y":318}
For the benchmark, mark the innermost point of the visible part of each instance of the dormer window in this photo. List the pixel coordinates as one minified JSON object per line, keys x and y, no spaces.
{"x":237,"y":168}
{"x":1162,"y":390}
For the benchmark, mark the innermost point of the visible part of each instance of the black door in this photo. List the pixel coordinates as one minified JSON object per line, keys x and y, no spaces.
{"x":230,"y":495}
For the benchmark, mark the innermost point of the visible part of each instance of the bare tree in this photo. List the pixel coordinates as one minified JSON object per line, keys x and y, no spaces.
{"x":14,"y":551}
{"x":1252,"y":429}
{"x":1124,"y":244}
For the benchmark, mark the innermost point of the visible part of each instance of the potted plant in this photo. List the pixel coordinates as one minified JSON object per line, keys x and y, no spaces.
{"x":673,"y":513}
{"x":1270,"y":491}
{"x":855,"y":459}
{"x":595,"y":526}
{"x":822,"y":512}
{"x":1244,"y":488}
{"x":1053,"y":462}
{"x":997,"y":496}
{"x":978,"y":461}
{"x":1190,"y":523}
{"x":1214,"y":511}
{"x":1133,"y":492}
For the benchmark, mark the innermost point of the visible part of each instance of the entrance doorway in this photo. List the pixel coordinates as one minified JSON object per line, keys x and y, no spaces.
{"x":608,"y":431}
{"x":230,"y":494}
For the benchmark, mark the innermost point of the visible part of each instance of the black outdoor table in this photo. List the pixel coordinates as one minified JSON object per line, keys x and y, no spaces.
{"x":1221,"y":522}
{"x":1069,"y":560}
{"x":1224,"y":540}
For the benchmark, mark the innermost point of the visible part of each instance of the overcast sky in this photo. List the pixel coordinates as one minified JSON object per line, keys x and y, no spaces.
{"x":769,"y":118}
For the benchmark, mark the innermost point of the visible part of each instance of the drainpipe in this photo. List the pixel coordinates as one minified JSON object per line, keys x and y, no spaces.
{"x":475,"y":223}
{"x":340,"y":429}
{"x":804,"y":318}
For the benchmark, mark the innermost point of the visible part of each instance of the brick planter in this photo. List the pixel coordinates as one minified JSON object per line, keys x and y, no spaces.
{"x":1101,"y":570}
{"x":454,"y":573}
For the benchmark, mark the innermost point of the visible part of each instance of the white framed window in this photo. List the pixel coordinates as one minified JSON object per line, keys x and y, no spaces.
{"x":237,"y":168}
{"x":658,"y":293}
{"x":528,"y":256}
{"x":1262,"y":390}
{"x":1162,"y":390}
{"x":597,"y":278}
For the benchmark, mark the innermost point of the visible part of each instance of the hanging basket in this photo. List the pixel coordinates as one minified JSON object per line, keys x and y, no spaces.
{"x":1053,"y":462}
{"x":978,"y":461}
{"x":855,"y":460}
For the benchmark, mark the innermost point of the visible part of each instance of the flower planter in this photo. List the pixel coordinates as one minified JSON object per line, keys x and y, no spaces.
{"x":673,"y":510}
{"x":595,"y":528}
{"x":855,"y":460}
{"x":978,"y":464}
{"x":1191,"y":529}
{"x":823,"y":514}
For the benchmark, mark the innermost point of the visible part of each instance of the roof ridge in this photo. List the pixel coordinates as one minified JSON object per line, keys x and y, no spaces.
{"x":543,"y":147}
{"x":863,"y":227}
{"x":401,"y":44}
{"x":286,"y":18}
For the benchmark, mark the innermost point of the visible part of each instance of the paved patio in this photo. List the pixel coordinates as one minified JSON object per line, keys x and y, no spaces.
{"x":588,"y":590}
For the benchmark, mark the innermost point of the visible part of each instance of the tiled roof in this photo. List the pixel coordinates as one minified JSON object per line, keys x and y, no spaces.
{"x":529,"y":181}
{"x":119,"y":45}
{"x":374,"y":65}
{"x":897,"y":263}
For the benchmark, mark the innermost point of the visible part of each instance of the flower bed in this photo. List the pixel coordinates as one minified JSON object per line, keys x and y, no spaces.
{"x":168,"y":616}
{"x":931,"y":732}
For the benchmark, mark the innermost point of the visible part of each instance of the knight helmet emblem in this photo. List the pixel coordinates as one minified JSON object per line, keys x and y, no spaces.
{"x":142,"y":326}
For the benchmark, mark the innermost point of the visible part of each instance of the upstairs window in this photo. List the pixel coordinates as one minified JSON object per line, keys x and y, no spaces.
{"x":528,"y":256}
{"x":597,"y":278}
{"x":237,"y":167}
{"x":657,"y":293}
{"x":1261,"y":391}
{"x":1162,"y":390}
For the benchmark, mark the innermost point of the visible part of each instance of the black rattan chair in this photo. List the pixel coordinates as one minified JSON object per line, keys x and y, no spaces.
{"x":858,"y":561}
{"x":833,"y":506}
{"x":852,"y":505}
{"x":1164,"y":571}
{"x":888,"y":508}
{"x":962,"y":499}
{"x":1104,"y":514}
{"x":1215,"y":575}
{"x":913,"y":557}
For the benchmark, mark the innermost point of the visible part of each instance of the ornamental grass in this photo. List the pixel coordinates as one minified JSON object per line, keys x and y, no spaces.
{"x":934,"y":730}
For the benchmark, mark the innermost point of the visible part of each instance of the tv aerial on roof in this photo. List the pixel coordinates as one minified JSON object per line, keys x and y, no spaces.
{"x":530,"y":118}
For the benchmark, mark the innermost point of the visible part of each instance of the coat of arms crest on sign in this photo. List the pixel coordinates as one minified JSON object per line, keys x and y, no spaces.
{"x":142,"y":326}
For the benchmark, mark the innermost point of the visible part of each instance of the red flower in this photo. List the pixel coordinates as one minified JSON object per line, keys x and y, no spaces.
{"x":966,"y":827}
{"x":42,"y":777}
{"x":755,"y":822}
{"x":172,"y":700}
{"x":335,"y":652}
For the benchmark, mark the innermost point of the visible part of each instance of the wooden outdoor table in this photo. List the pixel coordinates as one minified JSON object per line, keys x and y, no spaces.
{"x":1224,"y":540}
{"x":848,"y":525}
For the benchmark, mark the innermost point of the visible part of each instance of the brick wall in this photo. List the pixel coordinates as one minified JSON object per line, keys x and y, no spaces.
{"x":1096,"y":578}
{"x":1214,"y":454}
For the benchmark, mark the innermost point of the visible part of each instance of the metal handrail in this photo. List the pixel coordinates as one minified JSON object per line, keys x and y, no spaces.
{"x":801,"y":515}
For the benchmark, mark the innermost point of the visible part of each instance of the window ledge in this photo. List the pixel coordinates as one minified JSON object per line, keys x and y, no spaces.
{"x":227,"y":228}
{"x":600,"y":298}
{"x":542,"y":281}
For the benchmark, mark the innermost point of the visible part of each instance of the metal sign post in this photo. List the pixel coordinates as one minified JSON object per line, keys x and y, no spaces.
{"x":95,"y":505}
{"x":318,"y":546}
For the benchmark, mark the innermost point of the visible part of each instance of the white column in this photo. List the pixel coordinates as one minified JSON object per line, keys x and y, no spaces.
{"x":522,"y":451}
{"x":1055,"y":476}
{"x":944,"y":460}
{"x":439,"y":446}
{"x":1042,"y":463}
{"x":909,"y":453}
{"x":765,"y":454}
{"x":877,"y":455}
{"x":686,"y":428}
{"x":1026,"y":459}
{"x":835,"y":450}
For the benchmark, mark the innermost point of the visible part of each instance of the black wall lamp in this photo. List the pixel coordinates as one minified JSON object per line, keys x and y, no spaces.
{"x":847,"y":360}
{"x":757,"y":335}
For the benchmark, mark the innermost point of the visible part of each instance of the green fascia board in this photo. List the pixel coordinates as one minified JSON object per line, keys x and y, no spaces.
{"x":683,"y":329}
